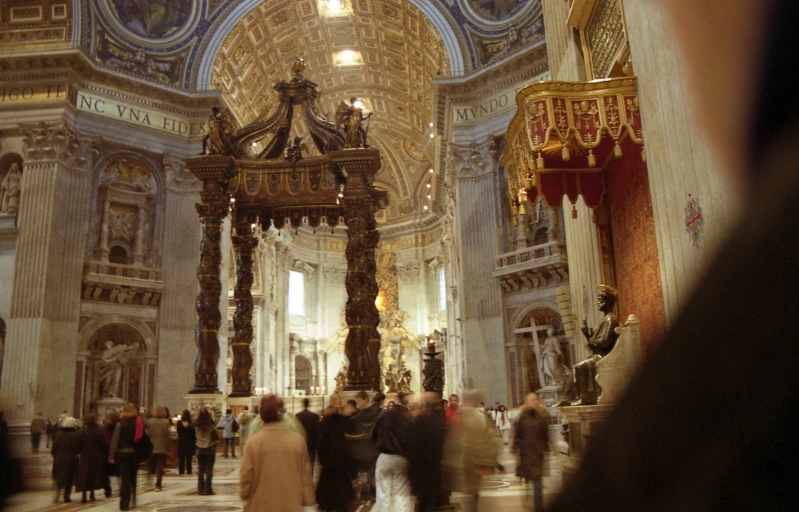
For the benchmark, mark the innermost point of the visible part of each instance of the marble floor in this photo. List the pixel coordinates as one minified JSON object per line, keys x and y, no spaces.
{"x":500,"y":492}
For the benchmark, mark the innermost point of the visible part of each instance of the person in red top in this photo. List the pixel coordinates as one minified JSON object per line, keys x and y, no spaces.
{"x":451,"y":409}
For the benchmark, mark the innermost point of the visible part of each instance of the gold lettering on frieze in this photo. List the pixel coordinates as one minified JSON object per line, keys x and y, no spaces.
{"x":140,"y":116}
{"x":17,"y":94}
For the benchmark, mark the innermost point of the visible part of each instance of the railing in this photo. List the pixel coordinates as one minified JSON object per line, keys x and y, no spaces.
{"x":124,"y":271}
{"x":530,"y":257}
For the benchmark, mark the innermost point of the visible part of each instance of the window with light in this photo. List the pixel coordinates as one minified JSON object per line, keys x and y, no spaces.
{"x":296,"y":293}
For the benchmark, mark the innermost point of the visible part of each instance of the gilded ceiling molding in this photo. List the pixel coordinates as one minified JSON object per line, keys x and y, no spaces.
{"x":204,"y":71}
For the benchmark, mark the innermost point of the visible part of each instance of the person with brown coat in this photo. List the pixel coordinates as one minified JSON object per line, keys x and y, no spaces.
{"x":93,"y":455}
{"x":274,"y":473}
{"x":530,"y":442}
{"x":159,"y":436}
{"x":37,"y":428}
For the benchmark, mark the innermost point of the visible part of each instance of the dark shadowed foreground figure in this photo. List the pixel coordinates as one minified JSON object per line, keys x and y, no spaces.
{"x":426,"y":443}
{"x":334,"y":491}
{"x":710,"y":421}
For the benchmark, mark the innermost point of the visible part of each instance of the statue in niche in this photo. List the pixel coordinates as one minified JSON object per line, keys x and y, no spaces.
{"x":555,"y":371}
{"x":349,"y":121}
{"x":601,"y":341}
{"x":220,"y":129}
{"x":114,"y":358}
{"x":294,"y":152}
{"x":341,"y":378}
{"x":10,"y":190}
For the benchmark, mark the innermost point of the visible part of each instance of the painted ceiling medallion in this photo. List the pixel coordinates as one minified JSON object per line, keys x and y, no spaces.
{"x":155,"y":20}
{"x":494,"y":12}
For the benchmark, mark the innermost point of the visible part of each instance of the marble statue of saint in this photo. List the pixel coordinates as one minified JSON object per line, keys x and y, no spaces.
{"x":10,"y":190}
{"x":341,"y":378}
{"x":114,"y":358}
{"x":555,"y":371}
{"x":601,"y":341}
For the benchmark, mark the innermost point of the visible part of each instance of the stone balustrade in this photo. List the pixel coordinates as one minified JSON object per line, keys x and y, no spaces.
{"x":122,"y":284}
{"x":533,"y":267}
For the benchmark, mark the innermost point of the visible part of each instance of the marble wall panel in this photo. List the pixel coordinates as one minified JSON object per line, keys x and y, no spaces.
{"x":678,"y":157}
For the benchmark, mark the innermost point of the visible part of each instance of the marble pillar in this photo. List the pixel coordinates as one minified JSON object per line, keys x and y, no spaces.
{"x":45,"y":308}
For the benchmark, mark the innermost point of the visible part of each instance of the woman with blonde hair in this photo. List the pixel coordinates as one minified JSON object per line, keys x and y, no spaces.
{"x":123,"y":453}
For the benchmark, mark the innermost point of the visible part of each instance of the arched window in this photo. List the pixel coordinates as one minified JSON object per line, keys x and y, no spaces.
{"x":118,"y":254}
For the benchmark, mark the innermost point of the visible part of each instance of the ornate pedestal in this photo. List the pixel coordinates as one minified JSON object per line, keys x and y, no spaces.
{"x":583,"y":422}
{"x":104,"y":405}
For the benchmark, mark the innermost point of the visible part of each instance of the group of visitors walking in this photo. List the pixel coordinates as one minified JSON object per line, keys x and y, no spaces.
{"x":413,"y":447}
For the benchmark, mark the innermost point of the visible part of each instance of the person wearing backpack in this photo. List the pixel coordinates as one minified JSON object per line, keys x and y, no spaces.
{"x":227,"y":424}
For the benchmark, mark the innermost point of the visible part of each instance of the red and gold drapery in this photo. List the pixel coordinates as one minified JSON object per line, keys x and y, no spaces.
{"x":563,"y":134}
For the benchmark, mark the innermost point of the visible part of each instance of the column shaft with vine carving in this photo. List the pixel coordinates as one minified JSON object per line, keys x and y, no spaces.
{"x":363,"y":341}
{"x":212,"y":211}
{"x":244,"y":242}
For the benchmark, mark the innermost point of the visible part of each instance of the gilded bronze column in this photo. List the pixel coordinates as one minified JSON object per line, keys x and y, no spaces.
{"x":363,"y":341}
{"x":244,"y":242}
{"x":212,"y":210}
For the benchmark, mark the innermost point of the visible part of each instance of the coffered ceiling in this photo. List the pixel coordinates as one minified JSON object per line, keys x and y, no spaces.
{"x":400,"y":53}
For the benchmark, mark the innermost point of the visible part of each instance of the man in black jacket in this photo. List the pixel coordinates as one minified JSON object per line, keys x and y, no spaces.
{"x":363,"y":447}
{"x":310,"y":422}
{"x":390,"y":434}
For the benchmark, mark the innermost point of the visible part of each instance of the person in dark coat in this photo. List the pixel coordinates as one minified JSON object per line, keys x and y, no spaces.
{"x":363,"y":447}
{"x":93,"y":458}
{"x":123,"y":452}
{"x":109,"y":424}
{"x":531,"y":441}
{"x":334,"y":491}
{"x":186,"y":439}
{"x":65,"y":457}
{"x":426,"y":449}
{"x":310,"y":423}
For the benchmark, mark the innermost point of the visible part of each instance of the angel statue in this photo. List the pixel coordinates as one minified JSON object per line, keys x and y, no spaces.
{"x":113,"y":362}
{"x":219,"y":134}
{"x":349,"y":119}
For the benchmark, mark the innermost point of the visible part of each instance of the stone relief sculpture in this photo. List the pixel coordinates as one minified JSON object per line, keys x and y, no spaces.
{"x":552,"y":366}
{"x":121,"y":225}
{"x":114,"y":358}
{"x":10,"y":190}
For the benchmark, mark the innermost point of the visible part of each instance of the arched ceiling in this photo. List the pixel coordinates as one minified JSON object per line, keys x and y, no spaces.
{"x":401,"y":52}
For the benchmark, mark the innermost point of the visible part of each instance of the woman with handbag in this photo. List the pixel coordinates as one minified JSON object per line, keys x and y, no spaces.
{"x":124,"y":450}
{"x":206,"y":439}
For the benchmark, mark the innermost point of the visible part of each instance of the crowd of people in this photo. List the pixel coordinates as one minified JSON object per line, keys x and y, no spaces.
{"x":421,"y":446}
{"x":367,"y":450}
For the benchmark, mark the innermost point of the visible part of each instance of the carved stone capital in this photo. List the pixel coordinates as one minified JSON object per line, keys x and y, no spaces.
{"x":57,"y":141}
{"x":474,"y":160}
{"x":178,"y":177}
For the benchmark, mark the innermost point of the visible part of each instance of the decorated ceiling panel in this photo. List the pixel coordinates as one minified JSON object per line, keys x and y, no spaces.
{"x":35,"y":25}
